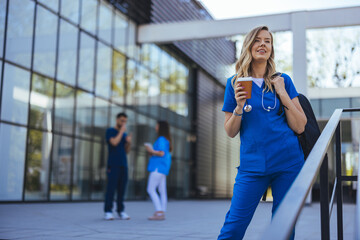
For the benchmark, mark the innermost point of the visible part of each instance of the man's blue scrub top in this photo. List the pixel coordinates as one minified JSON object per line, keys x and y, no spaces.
{"x":117,"y":154}
{"x":268,"y":144}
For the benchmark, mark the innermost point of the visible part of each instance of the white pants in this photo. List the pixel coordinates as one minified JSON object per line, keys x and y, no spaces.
{"x":157,"y":181}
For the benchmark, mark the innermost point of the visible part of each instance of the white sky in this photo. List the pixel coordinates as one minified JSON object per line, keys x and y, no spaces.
{"x":222,"y":9}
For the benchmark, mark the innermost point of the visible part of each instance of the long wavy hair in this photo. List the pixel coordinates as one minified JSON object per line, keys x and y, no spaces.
{"x":243,"y":64}
{"x":164,"y":130}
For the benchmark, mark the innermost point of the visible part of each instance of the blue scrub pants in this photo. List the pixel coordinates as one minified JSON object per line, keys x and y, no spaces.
{"x":248,"y":190}
{"x":117,"y":180}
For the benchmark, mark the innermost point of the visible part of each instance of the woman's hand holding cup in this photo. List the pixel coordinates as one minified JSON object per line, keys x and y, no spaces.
{"x":240,"y":96}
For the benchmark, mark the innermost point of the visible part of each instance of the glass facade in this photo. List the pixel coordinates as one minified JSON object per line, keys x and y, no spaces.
{"x":332,"y":57}
{"x":67,"y":68}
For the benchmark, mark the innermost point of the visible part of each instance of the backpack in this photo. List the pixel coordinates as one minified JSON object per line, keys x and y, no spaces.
{"x":312,"y":132}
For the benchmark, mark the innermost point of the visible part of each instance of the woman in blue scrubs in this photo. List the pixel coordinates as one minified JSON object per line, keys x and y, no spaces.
{"x":159,"y":167}
{"x":270,"y":153}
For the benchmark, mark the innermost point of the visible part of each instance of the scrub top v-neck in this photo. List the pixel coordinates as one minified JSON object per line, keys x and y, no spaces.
{"x":267,"y":144}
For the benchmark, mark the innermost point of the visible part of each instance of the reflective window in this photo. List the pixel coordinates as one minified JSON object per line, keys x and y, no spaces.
{"x":45,"y":42}
{"x":2,"y":25}
{"x":61,"y":168}
{"x":173,"y":71}
{"x":139,"y":181}
{"x":137,"y":52}
{"x":0,"y":80}
{"x":172,"y":92}
{"x":17,"y":84}
{"x":88,"y":15}
{"x":142,"y":89}
{"x":176,"y":142}
{"x":355,"y":103}
{"x":20,"y":32}
{"x":87,"y":56}
{"x":131,"y":192}
{"x":132,"y":40}
{"x":101,"y":115}
{"x":114,"y":110}
{"x":154,"y":93}
{"x":118,"y":81}
{"x":120,"y":32}
{"x":64,"y":109}
{"x":182,"y":76}
{"x":145,"y":130}
{"x":103,"y":70}
{"x":145,"y":55}
{"x":165,"y":65}
{"x":131,"y":126}
{"x":328,"y":106}
{"x":12,"y":162}
{"x":155,"y":58}
{"x":315,"y":104}
{"x":105,"y":22}
{"x":70,"y":9}
{"x":154,"y":87}
{"x":38,"y":165}
{"x":68,"y":40}
{"x":84,"y":105}
{"x":41,"y":102}
{"x":182,"y":103}
{"x":132,"y":74}
{"x":99,"y":171}
{"x":283,"y":44}
{"x":167,"y":94}
{"x":333,"y":57}
{"x":53,"y":4}
{"x":81,"y":174}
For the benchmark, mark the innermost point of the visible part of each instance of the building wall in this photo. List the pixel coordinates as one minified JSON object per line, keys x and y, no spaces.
{"x":217,"y":155}
{"x":67,"y":68}
{"x":213,"y":55}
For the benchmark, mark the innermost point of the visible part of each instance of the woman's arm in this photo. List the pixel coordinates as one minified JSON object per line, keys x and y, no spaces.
{"x":295,"y":115}
{"x":232,"y":123}
{"x":154,"y":152}
{"x":158,"y":153}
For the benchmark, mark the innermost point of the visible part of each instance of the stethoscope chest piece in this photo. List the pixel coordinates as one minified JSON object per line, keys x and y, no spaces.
{"x":247,"y":108}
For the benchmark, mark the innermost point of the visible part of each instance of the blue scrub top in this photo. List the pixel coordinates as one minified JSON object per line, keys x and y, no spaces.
{"x":268,"y":144}
{"x":117,"y":155}
{"x":162,"y":164}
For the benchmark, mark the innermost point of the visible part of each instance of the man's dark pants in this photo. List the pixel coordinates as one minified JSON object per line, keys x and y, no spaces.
{"x":117,"y":179}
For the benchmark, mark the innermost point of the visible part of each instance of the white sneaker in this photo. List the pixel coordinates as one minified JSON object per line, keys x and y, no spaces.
{"x":124,"y":216}
{"x":109,"y":216}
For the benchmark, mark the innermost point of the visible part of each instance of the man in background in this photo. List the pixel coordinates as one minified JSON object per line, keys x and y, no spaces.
{"x":117,"y":171}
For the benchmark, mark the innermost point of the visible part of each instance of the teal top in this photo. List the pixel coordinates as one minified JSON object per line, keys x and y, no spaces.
{"x":162,"y":164}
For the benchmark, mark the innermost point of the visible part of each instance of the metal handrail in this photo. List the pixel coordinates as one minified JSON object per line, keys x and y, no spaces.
{"x":357,"y":212}
{"x":293,"y":202}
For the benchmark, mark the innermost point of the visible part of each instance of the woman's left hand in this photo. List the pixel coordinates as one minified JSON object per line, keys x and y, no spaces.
{"x":278,"y":83}
{"x":149,"y":150}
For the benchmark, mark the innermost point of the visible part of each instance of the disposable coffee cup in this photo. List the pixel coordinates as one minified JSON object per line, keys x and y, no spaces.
{"x":246,"y":83}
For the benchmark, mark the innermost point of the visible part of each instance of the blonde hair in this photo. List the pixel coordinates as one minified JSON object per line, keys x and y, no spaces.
{"x":243,"y":64}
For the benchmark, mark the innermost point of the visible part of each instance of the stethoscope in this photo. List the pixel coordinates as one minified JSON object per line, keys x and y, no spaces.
{"x":248,"y":107}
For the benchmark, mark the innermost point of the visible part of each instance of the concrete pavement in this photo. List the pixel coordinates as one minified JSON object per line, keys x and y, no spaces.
{"x":189,"y":219}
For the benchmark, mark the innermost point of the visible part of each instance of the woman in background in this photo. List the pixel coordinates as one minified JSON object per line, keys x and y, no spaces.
{"x":159,"y":166}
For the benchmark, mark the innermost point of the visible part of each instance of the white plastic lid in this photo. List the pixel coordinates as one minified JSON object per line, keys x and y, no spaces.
{"x":245,"y":79}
